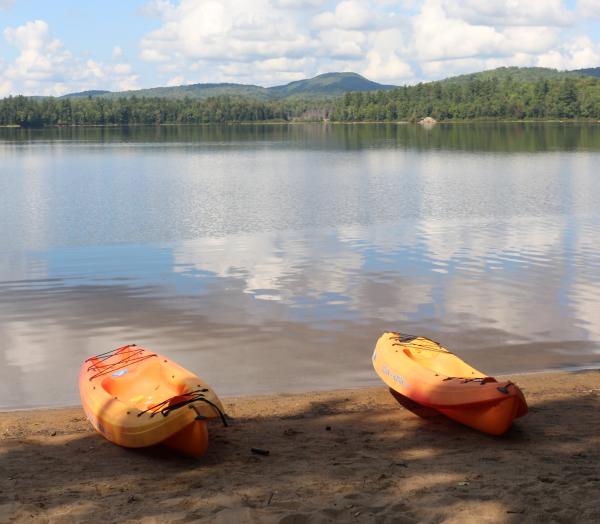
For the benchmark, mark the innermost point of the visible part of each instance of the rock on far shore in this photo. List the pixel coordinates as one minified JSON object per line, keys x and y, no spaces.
{"x":428,"y":121}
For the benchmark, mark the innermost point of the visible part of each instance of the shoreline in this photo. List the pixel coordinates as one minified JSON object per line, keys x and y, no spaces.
{"x":350,"y":455}
{"x":581,"y":121}
{"x":302,"y":392}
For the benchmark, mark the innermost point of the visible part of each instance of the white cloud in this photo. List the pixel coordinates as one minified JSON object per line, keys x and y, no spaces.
{"x":391,"y":41}
{"x":297,"y":4}
{"x":388,"y":57}
{"x":437,"y":36}
{"x":386,"y":67}
{"x":588,"y":8}
{"x":460,"y":37}
{"x":122,"y":69}
{"x":158,"y":8}
{"x":167,"y":68}
{"x":219,"y":40}
{"x":32,"y":35}
{"x":271,"y":71}
{"x":44,"y":67}
{"x":224,"y":31}
{"x":5,"y":87}
{"x":177,"y":80}
{"x":5,"y":4}
{"x":269,"y":42}
{"x":152,"y":55}
{"x":283,"y":64}
{"x":510,"y":12}
{"x":39,"y":62}
{"x":575,"y":54}
{"x":349,"y":14}
{"x":533,"y":39}
{"x":341,"y":43}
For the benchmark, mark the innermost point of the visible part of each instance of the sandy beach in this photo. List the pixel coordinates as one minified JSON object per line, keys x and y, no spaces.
{"x":339,"y":456}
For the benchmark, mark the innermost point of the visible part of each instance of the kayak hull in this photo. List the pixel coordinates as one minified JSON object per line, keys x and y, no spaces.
{"x":137,"y":398}
{"x":428,"y":374}
{"x":494,"y":418}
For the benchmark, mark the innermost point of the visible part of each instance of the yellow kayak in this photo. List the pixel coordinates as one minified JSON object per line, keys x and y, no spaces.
{"x":427,"y":373}
{"x":137,"y":398}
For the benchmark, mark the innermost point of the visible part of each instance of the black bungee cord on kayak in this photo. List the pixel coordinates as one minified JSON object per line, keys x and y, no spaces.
{"x":222,"y":415}
{"x":131,"y":354}
{"x":164,"y":407}
{"x":403,"y":339}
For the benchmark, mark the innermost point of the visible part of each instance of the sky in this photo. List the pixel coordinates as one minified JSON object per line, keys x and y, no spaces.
{"x":53,"y":48}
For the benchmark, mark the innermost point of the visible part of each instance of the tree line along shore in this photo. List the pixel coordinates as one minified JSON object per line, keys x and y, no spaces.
{"x":476,"y":99}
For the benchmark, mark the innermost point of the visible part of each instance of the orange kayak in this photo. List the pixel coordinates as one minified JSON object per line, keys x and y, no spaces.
{"x":138,"y":398}
{"x":427,"y":373}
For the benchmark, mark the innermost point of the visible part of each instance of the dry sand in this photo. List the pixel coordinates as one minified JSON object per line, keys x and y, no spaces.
{"x":341,"y":456}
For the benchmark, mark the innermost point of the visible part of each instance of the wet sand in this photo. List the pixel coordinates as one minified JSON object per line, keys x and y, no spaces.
{"x":340,"y":456}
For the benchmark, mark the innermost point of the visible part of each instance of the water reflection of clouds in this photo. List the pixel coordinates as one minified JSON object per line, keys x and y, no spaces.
{"x":105,"y":195}
{"x":281,"y":263}
{"x":583,"y":295}
{"x":509,"y":274}
{"x":532,"y":282}
{"x":317,"y":274}
{"x":25,"y":200}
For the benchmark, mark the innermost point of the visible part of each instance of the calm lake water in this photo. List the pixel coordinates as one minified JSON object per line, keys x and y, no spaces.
{"x":271,"y":257}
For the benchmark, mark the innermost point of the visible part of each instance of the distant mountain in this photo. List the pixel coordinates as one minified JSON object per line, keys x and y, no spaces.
{"x":565,"y":95}
{"x":328,"y":84}
{"x":325,"y":86}
{"x":522,"y":74}
{"x":196,"y":91}
{"x":321,"y":86}
{"x":85,"y":94}
{"x":592,"y":71}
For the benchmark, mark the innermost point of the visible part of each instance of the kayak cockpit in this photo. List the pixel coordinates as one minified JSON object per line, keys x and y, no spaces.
{"x":141,"y":390}
{"x":436,"y":358}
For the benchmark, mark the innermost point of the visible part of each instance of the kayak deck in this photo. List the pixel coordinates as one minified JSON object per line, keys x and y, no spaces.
{"x":427,"y":373}
{"x":137,"y":398}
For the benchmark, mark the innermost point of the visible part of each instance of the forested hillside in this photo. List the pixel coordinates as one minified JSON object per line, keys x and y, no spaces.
{"x":565,"y":97}
{"x":568,"y":97}
{"x":590,"y":71}
{"x":523,"y":74}
{"x":29,"y":112}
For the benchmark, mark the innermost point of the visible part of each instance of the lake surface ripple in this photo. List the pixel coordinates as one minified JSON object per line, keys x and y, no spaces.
{"x":271,"y":257}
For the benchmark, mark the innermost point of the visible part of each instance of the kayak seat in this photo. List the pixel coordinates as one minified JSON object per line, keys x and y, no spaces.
{"x":142,"y":390}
